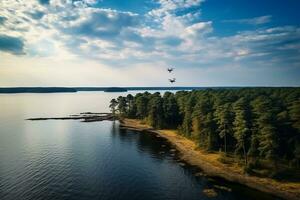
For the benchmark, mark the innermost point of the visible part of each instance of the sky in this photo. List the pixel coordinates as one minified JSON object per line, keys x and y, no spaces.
{"x":133,"y":42}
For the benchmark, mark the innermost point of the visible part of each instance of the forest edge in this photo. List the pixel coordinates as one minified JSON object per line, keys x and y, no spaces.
{"x":208,"y":162}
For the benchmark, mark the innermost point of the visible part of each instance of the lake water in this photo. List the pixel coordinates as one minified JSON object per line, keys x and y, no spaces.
{"x":74,"y":160}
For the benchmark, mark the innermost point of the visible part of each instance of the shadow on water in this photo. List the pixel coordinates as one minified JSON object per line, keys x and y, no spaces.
{"x":162,"y":150}
{"x":71,"y":160}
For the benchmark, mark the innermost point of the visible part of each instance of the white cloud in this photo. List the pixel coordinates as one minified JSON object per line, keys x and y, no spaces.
{"x":64,"y":32}
{"x":198,"y":29}
{"x":168,"y":6}
{"x":253,"y":21}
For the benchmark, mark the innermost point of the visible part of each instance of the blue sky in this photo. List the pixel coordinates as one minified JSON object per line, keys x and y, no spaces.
{"x":132,"y":42}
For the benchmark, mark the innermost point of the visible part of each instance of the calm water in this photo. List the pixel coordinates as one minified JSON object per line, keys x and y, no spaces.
{"x":74,"y":160}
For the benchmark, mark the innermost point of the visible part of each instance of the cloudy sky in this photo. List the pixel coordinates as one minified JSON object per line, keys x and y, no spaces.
{"x":132,"y":42}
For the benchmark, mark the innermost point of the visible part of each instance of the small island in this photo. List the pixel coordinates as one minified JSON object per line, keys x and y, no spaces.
{"x":115,"y":89}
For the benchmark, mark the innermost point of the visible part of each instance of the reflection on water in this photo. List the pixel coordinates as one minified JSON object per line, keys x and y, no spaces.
{"x":73,"y":160}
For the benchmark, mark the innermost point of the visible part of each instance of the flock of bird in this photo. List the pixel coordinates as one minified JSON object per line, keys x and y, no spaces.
{"x":173,"y":80}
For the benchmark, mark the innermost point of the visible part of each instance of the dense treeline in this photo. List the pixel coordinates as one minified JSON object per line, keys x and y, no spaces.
{"x":253,"y":125}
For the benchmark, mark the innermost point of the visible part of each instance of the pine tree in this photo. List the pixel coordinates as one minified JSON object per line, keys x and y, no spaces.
{"x":186,"y":127}
{"x":141,"y":106}
{"x":203,"y":124}
{"x":155,"y":115}
{"x":294,"y":111}
{"x":113,"y":104}
{"x":122,"y":105}
{"x":224,"y":121}
{"x":171,"y":110}
{"x":241,"y":128}
{"x":265,"y":123}
{"x":131,"y":106}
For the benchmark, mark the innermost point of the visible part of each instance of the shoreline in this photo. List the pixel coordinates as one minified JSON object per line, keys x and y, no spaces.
{"x":212,"y":167}
{"x":84,"y":117}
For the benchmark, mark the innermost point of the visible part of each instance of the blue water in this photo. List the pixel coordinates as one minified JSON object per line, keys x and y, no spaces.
{"x":74,"y":160}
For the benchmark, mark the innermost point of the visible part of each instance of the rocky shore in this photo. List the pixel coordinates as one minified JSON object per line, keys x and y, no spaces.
{"x":210,"y":164}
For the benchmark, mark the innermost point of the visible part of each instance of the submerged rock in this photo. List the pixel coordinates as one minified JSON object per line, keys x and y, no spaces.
{"x":210,"y":192}
{"x":223,"y":188}
{"x":200,"y":174}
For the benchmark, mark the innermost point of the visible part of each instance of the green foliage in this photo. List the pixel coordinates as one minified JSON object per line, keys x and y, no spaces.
{"x":266,"y":127}
{"x":170,"y":110}
{"x":224,"y":118}
{"x":253,"y":124}
{"x":203,"y":124}
{"x":131,"y":106}
{"x":113,"y":104}
{"x":241,"y":128}
{"x":294,"y":110}
{"x":122,"y":105}
{"x":156,"y":114}
{"x":141,"y":106}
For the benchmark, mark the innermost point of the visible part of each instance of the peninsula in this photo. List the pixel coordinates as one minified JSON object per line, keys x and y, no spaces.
{"x":248,"y":136}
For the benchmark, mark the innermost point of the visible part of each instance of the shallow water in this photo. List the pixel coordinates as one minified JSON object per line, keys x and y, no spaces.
{"x":74,"y":160}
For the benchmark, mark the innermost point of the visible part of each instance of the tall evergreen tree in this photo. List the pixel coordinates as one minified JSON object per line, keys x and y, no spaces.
{"x":265,"y":123}
{"x":122,"y":105}
{"x":131,"y":105}
{"x":155,"y":115}
{"x":224,"y":120}
{"x":141,"y":106}
{"x":186,"y":127}
{"x":203,"y":124}
{"x":171,"y":110}
{"x":294,"y":111}
{"x":241,"y":128}
{"x":113,"y":104}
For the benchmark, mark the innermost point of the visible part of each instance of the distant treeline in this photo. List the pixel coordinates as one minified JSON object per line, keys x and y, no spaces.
{"x":78,"y":89}
{"x":36,"y":89}
{"x":253,"y":125}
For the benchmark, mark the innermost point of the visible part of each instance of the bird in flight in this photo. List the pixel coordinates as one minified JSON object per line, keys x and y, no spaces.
{"x":172,"y":80}
{"x":170,"y":70}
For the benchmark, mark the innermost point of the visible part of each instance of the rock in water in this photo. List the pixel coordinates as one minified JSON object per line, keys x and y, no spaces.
{"x":223,"y":188}
{"x":210,"y":193}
